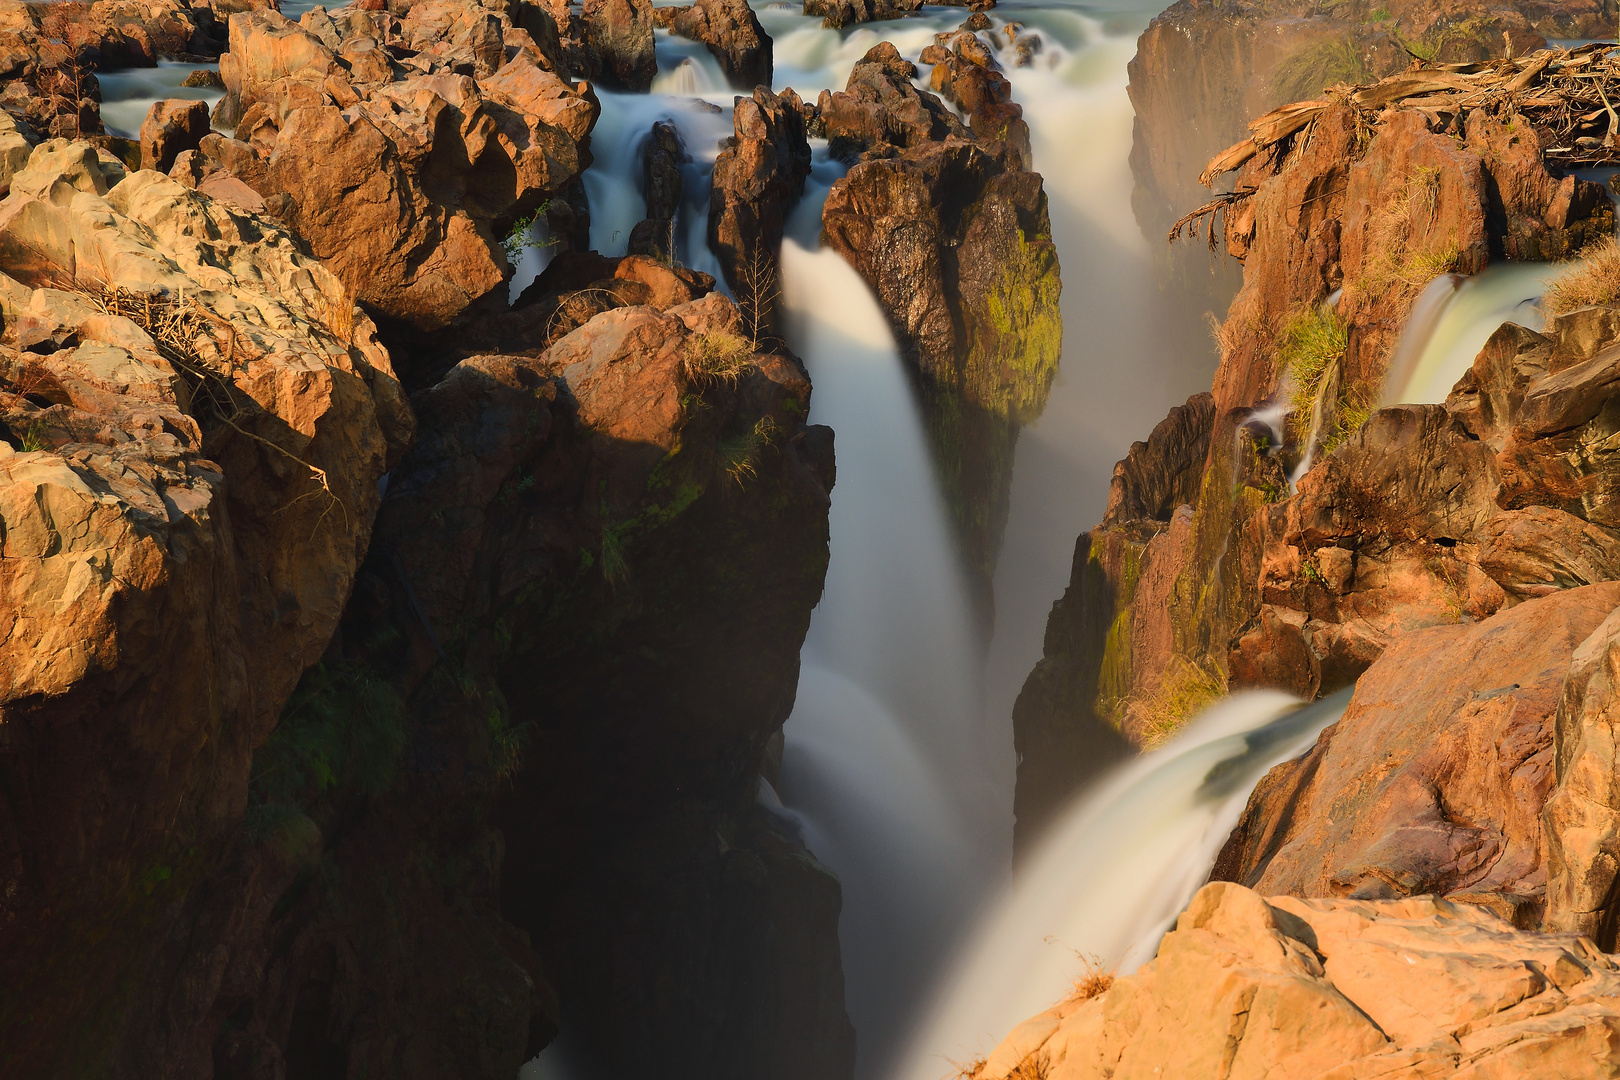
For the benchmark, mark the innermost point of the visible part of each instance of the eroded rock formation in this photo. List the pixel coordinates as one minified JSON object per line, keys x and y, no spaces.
{"x":951,"y":231}
{"x":1418,"y":516}
{"x":1245,"y":986}
{"x":734,"y":36}
{"x":403,"y":172}
{"x":196,"y":417}
{"x":1202,"y":70}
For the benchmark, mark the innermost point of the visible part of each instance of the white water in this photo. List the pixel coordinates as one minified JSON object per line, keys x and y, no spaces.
{"x":1113,"y":874}
{"x":128,"y":94}
{"x":884,"y":758}
{"x":1454,"y":318}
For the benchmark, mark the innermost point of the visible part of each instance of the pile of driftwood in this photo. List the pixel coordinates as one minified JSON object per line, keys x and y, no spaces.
{"x":1569,"y":96}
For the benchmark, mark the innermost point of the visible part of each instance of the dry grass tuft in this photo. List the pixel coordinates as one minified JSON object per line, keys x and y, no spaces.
{"x":1313,"y":341}
{"x":715,"y":356}
{"x":1033,"y":1067}
{"x":1186,"y":690}
{"x":1593,"y":279}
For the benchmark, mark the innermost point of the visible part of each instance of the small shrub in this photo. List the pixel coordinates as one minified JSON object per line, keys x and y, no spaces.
{"x":520,"y":237}
{"x":1592,"y":279}
{"x":344,"y":728}
{"x":715,"y":356}
{"x":740,"y":455}
{"x":1313,"y":340}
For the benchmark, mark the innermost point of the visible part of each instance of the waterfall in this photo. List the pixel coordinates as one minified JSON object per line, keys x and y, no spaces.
{"x":1112,"y":875}
{"x":884,"y":758}
{"x":1452,"y":320}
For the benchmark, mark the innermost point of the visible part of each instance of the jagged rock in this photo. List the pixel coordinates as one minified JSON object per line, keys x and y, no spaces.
{"x":964,"y":72}
{"x":171,"y":127}
{"x":1582,"y":818}
{"x":734,"y":36}
{"x":758,"y":177}
{"x":1067,"y":720}
{"x":184,"y":511}
{"x":661,"y":155}
{"x":576,"y":287}
{"x":405,"y":176}
{"x":620,"y":35}
{"x":1435,"y":778}
{"x":1341,"y":989}
{"x":841,"y":13}
{"x":953,"y":237}
{"x":1202,"y":71}
{"x":16,"y":144}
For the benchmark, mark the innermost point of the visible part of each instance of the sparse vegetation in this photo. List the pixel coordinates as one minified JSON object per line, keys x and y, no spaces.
{"x":1593,"y":279}
{"x":1313,"y":342}
{"x":520,"y":237}
{"x":1096,"y":981}
{"x":343,"y":728}
{"x":757,"y":294}
{"x":1307,"y":72}
{"x":712,"y":357}
{"x":575,"y":310}
{"x":1186,"y":689}
{"x":740,"y":455}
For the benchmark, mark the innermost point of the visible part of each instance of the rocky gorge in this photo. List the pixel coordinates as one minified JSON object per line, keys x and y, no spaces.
{"x":441,"y":638}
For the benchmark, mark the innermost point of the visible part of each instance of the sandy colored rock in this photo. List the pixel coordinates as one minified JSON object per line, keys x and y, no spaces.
{"x":1341,"y":989}
{"x":1434,"y":780}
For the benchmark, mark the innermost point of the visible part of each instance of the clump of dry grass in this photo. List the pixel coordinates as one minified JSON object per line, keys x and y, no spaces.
{"x":715,"y":356}
{"x":1399,"y":264}
{"x":1594,"y":278}
{"x":1186,"y":690}
{"x":1096,"y":981}
{"x":1033,"y":1067}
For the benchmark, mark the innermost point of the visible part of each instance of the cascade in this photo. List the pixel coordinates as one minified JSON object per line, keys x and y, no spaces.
{"x":1113,"y":873}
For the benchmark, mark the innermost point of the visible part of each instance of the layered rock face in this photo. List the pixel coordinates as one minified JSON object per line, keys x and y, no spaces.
{"x":1203,"y":69}
{"x":195,"y":419}
{"x":1422,"y":515}
{"x":950,"y":229}
{"x":1246,"y":986}
{"x":403,"y":165}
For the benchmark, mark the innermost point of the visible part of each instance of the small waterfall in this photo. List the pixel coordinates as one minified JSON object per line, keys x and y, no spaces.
{"x":1113,"y":874}
{"x":1453,"y":319}
{"x":129,"y":94}
{"x":885,"y":749}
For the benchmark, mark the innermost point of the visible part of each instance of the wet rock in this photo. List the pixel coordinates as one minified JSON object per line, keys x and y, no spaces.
{"x":661,"y":155}
{"x":758,"y":177}
{"x":734,"y":36}
{"x":841,"y":13}
{"x":170,"y":128}
{"x":1336,"y":988}
{"x":1434,"y":780}
{"x":952,"y":234}
{"x":964,"y":72}
{"x":1068,"y":722}
{"x":210,"y":434}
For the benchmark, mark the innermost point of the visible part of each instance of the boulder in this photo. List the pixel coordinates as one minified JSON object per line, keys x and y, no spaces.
{"x":734,"y":36}
{"x":172,"y":127}
{"x":195,"y":417}
{"x":620,"y":36}
{"x":953,"y":236}
{"x":662,"y":152}
{"x":404,"y":176}
{"x":1435,"y":778}
{"x":1340,"y":989}
{"x":758,"y":177}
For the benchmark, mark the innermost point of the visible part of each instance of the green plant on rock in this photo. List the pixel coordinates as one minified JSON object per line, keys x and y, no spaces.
{"x":1186,"y":690}
{"x":520,"y":237}
{"x":1313,"y":341}
{"x":343,"y":729}
{"x":739,"y":455}
{"x":714,"y":357}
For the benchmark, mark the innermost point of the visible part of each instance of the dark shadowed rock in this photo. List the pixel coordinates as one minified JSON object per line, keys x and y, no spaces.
{"x":734,"y":36}
{"x":620,"y":33}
